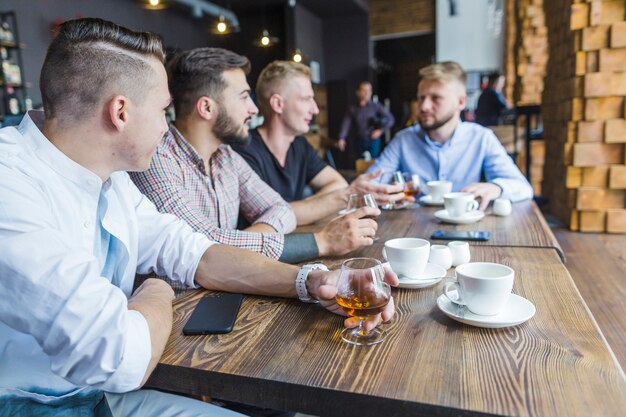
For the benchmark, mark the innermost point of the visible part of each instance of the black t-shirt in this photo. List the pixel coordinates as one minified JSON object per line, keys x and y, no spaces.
{"x":301,"y":166}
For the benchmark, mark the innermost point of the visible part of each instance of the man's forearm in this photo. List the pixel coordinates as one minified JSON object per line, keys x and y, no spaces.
{"x":319,"y":206}
{"x":260,"y":228}
{"x":226,"y":268}
{"x":153,"y":299}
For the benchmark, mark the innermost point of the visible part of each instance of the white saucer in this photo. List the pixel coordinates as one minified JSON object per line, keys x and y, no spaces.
{"x":428,"y":200}
{"x":517,"y":311}
{"x":432,"y":274}
{"x":467,"y":218}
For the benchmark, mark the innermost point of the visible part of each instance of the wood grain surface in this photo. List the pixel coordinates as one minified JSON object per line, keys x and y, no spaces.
{"x":288,"y":355}
{"x":597,"y":263}
{"x":525,"y":227}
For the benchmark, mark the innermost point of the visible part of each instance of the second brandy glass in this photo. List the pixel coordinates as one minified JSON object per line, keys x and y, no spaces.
{"x":357,"y":200}
{"x":362,"y":292}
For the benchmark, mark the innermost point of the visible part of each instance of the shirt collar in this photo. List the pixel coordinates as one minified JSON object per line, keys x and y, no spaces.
{"x":189,"y":151}
{"x":30,"y":128}
{"x":185,"y":146}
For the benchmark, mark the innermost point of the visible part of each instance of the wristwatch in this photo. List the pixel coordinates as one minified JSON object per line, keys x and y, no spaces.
{"x":303,"y":274}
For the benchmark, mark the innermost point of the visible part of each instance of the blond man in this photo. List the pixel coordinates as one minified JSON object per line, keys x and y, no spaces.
{"x":442,"y":147}
{"x":283,"y":158}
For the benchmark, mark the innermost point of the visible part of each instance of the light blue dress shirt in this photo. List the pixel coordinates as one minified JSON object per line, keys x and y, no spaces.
{"x":472,"y":154}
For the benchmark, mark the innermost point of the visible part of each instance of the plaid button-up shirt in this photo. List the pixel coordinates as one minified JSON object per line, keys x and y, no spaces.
{"x":178,"y":183}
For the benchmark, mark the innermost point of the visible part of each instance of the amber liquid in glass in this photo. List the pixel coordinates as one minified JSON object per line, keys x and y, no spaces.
{"x":411,"y":192}
{"x":362,"y":306}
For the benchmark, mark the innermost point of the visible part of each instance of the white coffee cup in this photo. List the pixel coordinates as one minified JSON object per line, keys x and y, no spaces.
{"x":440,"y":255}
{"x":460,"y":203}
{"x":502,"y":207}
{"x":407,"y":256}
{"x":460,"y":252}
{"x":436,"y":189}
{"x":483,"y":287}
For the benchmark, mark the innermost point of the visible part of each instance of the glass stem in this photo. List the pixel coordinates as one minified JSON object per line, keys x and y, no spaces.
{"x":362,"y":330}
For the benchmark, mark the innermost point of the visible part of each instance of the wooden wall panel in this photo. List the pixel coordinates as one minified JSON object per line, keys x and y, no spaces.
{"x":401,"y":16}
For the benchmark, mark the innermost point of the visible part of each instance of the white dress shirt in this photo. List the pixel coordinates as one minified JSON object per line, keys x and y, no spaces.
{"x":64,"y":328}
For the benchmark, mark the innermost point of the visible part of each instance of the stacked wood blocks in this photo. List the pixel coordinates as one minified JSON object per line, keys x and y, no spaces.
{"x":585,"y":115}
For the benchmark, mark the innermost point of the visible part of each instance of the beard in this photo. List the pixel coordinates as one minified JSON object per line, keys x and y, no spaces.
{"x":436,"y":123}
{"x":229,"y":132}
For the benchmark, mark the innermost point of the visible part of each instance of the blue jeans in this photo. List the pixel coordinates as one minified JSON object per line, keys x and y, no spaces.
{"x":371,"y":145}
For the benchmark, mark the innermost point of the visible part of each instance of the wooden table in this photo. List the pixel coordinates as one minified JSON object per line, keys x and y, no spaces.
{"x":525,"y":227}
{"x":288,"y":355}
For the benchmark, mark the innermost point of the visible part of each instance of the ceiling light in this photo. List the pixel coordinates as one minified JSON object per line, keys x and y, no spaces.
{"x":267,"y":40}
{"x":297,"y":56}
{"x":221,"y":25}
{"x":155,"y":4}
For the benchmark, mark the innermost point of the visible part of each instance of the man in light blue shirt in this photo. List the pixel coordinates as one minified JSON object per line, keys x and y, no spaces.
{"x":442,"y":147}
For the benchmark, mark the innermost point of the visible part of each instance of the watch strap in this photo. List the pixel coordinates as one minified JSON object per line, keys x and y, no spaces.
{"x":303,"y":275}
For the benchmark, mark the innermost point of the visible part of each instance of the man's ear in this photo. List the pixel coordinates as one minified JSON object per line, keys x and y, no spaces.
{"x":117,"y":109}
{"x":206,"y":108}
{"x":462,"y":101}
{"x":277,"y":103}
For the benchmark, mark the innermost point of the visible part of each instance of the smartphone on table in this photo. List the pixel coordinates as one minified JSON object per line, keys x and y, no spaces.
{"x":473,"y":235}
{"x":214,"y":313}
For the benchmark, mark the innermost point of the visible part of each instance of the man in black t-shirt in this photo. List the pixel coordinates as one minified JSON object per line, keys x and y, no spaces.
{"x":284,"y":159}
{"x":301,"y":166}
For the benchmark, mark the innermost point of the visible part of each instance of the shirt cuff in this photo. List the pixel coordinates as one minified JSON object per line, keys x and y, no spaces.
{"x":136,"y":356}
{"x":202,"y":244}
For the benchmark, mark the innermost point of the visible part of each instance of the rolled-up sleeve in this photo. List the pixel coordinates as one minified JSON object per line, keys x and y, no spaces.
{"x":500,"y":169}
{"x":163,"y":184}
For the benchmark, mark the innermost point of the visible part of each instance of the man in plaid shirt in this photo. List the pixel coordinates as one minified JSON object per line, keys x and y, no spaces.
{"x":197,"y":176}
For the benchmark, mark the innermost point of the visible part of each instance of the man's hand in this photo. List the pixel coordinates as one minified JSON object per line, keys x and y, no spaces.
{"x":341,"y":144}
{"x":383,"y":193}
{"x":346,"y":233}
{"x":323,"y":286}
{"x":376,"y":133}
{"x":485,"y":191}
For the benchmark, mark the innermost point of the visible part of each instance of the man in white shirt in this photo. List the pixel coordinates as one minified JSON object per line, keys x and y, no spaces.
{"x":74,"y":230}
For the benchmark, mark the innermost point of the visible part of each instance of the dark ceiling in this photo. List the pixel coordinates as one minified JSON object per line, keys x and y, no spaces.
{"x":322,"y":8}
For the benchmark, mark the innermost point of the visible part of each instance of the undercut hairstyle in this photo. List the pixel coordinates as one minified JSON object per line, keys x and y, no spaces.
{"x":92,"y":60}
{"x":199,"y":72}
{"x":444,"y":72}
{"x":272,"y":77}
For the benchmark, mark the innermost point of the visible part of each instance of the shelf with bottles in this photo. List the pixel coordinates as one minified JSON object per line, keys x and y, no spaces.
{"x":14,"y":100}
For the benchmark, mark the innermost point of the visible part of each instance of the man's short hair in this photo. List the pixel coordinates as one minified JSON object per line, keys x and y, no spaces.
{"x":91,"y":60}
{"x":273,"y":75}
{"x":444,"y":72}
{"x":198,"y":72}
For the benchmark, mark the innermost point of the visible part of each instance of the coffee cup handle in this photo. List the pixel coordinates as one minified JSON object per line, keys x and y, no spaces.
{"x":473,"y":205}
{"x":446,"y":290}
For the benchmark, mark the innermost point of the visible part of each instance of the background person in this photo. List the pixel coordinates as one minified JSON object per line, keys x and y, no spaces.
{"x":365,"y":123}
{"x":491,"y":103}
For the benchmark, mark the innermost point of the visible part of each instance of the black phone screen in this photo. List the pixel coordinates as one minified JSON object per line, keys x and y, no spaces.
{"x":476,"y":235}
{"x":215,"y":313}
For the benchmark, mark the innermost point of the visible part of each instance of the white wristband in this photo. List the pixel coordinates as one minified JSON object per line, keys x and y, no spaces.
{"x":303,"y":274}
